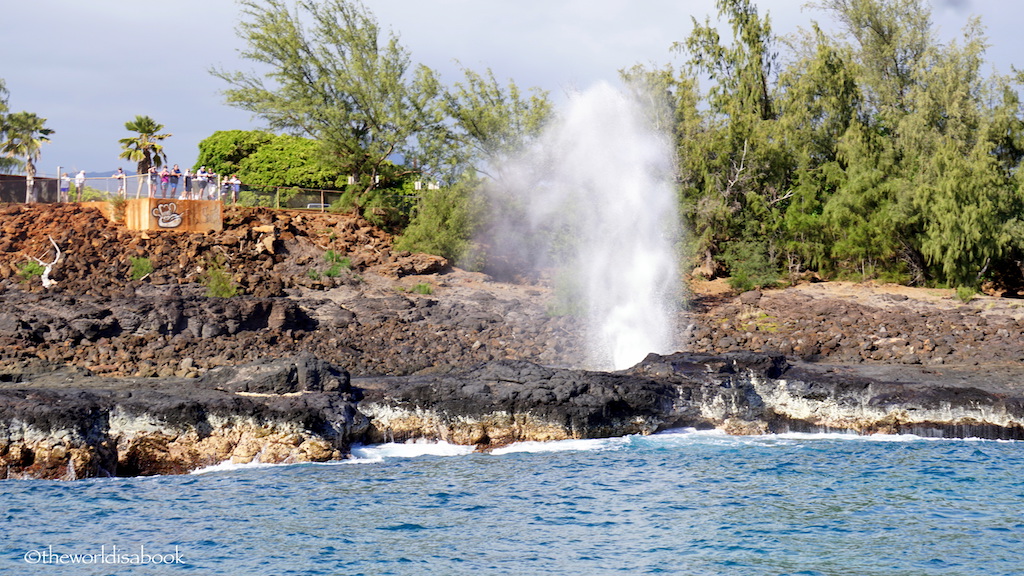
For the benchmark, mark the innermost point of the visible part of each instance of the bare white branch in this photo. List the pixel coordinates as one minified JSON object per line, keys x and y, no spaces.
{"x":48,"y":266}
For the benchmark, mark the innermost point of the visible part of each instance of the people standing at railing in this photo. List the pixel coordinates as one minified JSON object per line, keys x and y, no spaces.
{"x":80,"y":184}
{"x":165,"y":181}
{"x":65,"y":185}
{"x":121,"y":177}
{"x":186,"y":186}
{"x":211,"y":186}
{"x":152,"y":179}
{"x":236,"y":186}
{"x":202,"y":177}
{"x":174,"y":177}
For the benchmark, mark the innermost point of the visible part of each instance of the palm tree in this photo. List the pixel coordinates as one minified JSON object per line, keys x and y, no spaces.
{"x":144,"y":149}
{"x":23,"y":137}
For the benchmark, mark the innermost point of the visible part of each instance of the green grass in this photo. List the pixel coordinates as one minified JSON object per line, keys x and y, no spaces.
{"x":141,"y":267}
{"x":333,"y":257}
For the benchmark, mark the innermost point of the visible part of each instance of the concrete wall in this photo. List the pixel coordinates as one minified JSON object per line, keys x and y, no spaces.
{"x":179,"y":215}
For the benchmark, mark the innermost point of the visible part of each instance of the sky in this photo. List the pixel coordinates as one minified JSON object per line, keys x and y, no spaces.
{"x":89,"y":67}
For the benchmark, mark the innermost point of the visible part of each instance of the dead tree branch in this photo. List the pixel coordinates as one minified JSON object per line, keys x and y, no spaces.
{"x":48,"y":266}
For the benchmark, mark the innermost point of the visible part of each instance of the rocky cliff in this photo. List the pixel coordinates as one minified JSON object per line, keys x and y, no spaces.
{"x":742,"y":393}
{"x":67,"y":424}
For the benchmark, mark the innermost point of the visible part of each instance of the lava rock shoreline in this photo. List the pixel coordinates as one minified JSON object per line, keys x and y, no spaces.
{"x":69,"y":424}
{"x":107,"y":374}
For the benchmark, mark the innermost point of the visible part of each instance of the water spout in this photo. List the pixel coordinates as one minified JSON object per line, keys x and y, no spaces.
{"x":593,"y":199}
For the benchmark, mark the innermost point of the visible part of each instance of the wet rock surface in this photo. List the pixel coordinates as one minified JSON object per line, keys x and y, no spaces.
{"x":66,"y":424}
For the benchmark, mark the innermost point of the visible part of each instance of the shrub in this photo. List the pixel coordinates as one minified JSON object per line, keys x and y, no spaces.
{"x":218,"y":280}
{"x":141,"y":267}
{"x":749,"y":266}
{"x":566,"y":300}
{"x":965,"y":293}
{"x":29,"y":270}
{"x":118,"y":204}
{"x":443,"y":223}
{"x":423,"y":288}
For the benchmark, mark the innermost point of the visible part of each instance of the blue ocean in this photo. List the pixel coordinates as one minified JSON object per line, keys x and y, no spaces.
{"x":686,"y":502}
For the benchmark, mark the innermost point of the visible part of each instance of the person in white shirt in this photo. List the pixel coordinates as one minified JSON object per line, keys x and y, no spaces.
{"x":202,"y":177}
{"x":80,"y":184}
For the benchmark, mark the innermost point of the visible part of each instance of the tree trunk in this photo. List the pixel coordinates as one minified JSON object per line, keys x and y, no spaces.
{"x":30,"y":181}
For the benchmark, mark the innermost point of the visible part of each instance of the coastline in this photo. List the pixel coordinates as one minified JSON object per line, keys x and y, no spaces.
{"x":69,"y":425}
{"x":104,"y":374}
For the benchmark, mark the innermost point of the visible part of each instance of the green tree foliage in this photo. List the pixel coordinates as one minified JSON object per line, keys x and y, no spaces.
{"x":870,"y":151}
{"x":488,"y":123}
{"x":890,"y":38}
{"x":268,"y":161}
{"x":877,"y":152}
{"x":224,"y":150}
{"x":23,"y":136}
{"x":734,"y":165}
{"x":288,"y":161}
{"x":445,"y":222}
{"x":331,"y":75}
{"x":328,"y":74}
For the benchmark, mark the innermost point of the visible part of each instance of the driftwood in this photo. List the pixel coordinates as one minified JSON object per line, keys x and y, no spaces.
{"x":48,"y":266}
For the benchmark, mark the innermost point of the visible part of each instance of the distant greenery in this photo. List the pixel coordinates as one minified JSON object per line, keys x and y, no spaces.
{"x":90,"y":194}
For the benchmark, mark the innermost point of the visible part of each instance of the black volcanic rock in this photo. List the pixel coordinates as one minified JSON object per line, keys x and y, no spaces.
{"x":742,"y":393}
{"x":64,"y":424}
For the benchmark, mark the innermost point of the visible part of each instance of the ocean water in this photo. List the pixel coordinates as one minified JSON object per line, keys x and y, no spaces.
{"x":687,"y":503}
